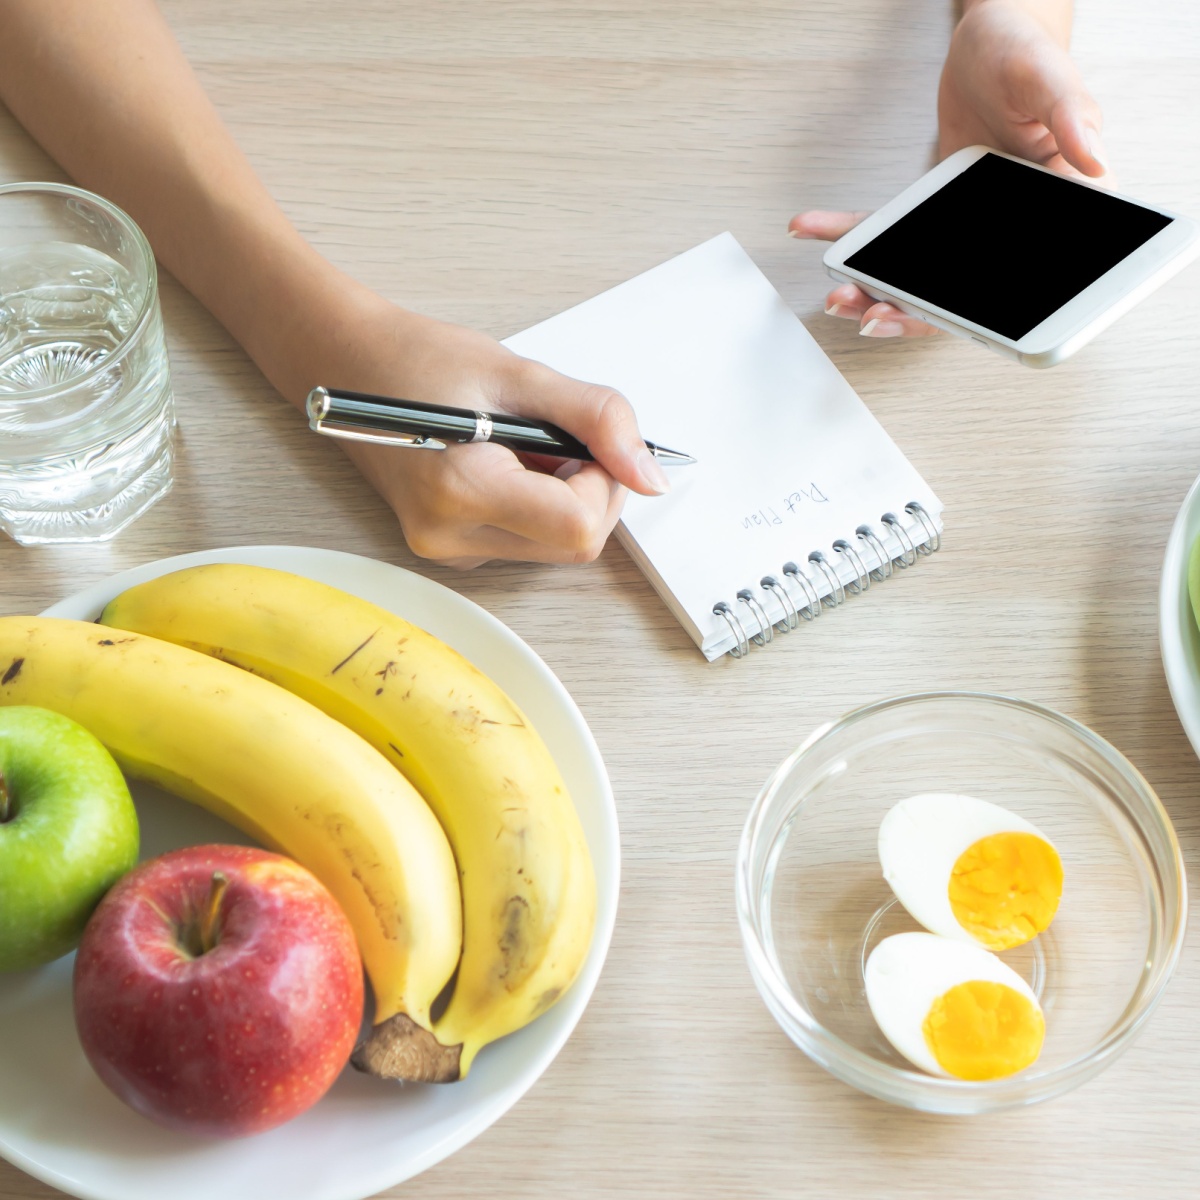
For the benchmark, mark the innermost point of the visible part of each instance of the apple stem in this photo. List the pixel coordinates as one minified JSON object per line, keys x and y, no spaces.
{"x":5,"y":807}
{"x":208,"y":922}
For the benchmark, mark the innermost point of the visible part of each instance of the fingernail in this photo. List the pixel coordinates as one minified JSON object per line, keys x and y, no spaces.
{"x":877,"y":327}
{"x":836,"y":310}
{"x":793,"y":233}
{"x":571,"y":467}
{"x":1096,"y":148}
{"x":650,"y":469}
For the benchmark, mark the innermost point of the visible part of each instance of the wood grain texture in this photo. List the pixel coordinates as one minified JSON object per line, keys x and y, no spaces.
{"x":494,"y":163}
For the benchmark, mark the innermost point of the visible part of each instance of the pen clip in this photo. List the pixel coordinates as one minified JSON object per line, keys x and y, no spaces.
{"x":352,"y":433}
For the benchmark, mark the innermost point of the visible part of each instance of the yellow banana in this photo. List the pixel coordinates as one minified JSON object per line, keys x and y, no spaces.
{"x":274,"y":766}
{"x":527,"y":882}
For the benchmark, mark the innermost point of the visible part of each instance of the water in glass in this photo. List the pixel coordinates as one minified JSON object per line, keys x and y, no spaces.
{"x":86,"y":413}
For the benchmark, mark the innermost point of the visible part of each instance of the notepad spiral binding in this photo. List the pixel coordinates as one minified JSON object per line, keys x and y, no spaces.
{"x":910,"y":551}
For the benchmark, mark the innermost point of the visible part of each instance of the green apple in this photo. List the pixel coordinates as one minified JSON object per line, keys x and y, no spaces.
{"x":68,"y":832}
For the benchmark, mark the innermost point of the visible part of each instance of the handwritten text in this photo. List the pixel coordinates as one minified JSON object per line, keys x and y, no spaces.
{"x":792,"y":505}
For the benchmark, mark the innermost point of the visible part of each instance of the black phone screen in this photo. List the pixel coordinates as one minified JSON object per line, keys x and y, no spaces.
{"x":1005,"y":246}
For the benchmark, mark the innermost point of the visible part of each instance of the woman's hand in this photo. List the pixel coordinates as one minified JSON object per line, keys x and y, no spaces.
{"x":470,"y":503}
{"x":1008,"y":82}
{"x":105,"y":88}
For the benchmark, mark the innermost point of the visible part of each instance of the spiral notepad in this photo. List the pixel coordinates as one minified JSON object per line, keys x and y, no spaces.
{"x":798,"y":499}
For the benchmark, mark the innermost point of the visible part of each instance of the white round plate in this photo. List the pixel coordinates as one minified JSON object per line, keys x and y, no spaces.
{"x":59,"y":1123}
{"x":1178,"y":637}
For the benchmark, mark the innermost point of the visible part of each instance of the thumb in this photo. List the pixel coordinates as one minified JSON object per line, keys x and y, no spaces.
{"x":600,"y":417}
{"x":1077,"y":135}
{"x":1066,"y":108}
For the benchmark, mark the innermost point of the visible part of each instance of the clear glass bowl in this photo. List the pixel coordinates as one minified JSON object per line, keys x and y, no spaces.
{"x":812,"y":901}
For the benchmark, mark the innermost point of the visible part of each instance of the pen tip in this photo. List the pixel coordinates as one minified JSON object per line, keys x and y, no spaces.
{"x":672,"y":458}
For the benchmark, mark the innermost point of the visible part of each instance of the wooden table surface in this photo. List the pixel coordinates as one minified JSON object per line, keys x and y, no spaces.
{"x":495,"y":163}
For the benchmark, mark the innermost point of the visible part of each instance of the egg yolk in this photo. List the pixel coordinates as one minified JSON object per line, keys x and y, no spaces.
{"x":983,"y":1030}
{"x":1005,"y":889}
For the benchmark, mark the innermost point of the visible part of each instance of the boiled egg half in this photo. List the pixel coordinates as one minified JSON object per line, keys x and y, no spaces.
{"x":970,"y":870}
{"x":953,"y":1009}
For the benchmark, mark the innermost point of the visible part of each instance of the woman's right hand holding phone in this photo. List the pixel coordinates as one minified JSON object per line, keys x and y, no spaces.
{"x":1008,"y":82}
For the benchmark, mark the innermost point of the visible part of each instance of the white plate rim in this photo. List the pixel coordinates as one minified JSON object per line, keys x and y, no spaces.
{"x":367,"y":1183}
{"x":1178,"y":637}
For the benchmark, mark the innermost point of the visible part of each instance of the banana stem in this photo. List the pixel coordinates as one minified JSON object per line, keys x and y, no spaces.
{"x":208,"y":921}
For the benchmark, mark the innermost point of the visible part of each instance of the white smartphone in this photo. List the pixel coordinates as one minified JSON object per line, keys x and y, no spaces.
{"x":1012,"y":255}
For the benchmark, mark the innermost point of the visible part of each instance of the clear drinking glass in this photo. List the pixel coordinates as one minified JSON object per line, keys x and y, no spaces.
{"x":86,"y":412}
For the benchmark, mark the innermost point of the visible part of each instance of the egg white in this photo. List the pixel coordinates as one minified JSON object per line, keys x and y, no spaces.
{"x":921,"y":839}
{"x":907,"y":972}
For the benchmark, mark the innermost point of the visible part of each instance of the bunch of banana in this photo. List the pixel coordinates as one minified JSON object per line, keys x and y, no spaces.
{"x":527,"y":882}
{"x":274,"y":766}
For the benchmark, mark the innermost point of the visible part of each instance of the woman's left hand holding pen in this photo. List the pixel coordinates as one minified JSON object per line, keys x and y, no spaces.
{"x":470,"y":503}
{"x":104,"y":87}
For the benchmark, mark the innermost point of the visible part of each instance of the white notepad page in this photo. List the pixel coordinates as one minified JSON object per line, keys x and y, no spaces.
{"x":790,"y":460}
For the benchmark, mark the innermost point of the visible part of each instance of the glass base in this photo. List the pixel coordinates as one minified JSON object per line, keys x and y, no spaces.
{"x":44,"y":527}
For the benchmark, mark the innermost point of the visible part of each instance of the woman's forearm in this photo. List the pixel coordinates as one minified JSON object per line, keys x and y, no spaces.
{"x":106,"y":90}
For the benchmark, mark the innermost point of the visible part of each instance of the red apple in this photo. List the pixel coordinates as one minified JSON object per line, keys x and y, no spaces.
{"x":218,"y":989}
